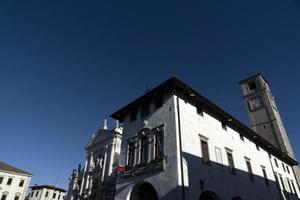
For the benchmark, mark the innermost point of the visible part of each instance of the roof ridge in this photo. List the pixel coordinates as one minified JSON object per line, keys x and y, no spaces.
{"x":10,"y":168}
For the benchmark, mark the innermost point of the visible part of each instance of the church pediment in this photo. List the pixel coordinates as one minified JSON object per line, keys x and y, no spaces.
{"x":101,"y":136}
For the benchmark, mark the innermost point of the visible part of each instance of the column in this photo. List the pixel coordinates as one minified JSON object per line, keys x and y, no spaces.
{"x":153,"y":146}
{"x":104,"y":164}
{"x":111,"y":159}
{"x":84,"y":175}
{"x":91,"y":168}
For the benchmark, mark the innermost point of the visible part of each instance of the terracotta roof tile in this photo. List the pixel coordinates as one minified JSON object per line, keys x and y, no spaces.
{"x":9,"y":168}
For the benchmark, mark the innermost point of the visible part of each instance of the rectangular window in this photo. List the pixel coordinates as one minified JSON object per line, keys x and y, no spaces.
{"x":282,"y":182}
{"x":16,"y":198}
{"x":290,"y":187}
{"x":293,"y":186}
{"x":54,"y":195}
{"x":276,"y":163}
{"x":46,"y":195}
{"x":249,"y":168}
{"x":3,"y":197}
{"x":200,"y":110}
{"x":204,"y":149}
{"x":242,"y":137}
{"x":21,"y":183}
{"x":144,"y":149}
{"x":158,"y":103}
{"x":145,"y":110}
{"x":9,"y":181}
{"x":159,"y":145}
{"x":37,"y":193}
{"x":257,"y":147}
{"x":218,"y":155}
{"x":265,"y":175}
{"x":58,"y":197}
{"x":224,"y":125}
{"x":32,"y":193}
{"x":283,"y":167}
{"x":230,"y":162}
{"x":287,"y":169}
{"x":133,"y":116}
{"x":131,"y":154}
{"x":1,"y":179}
{"x":252,"y":85}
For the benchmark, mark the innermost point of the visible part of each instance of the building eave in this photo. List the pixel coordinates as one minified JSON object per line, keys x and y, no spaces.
{"x":52,"y":187}
{"x":251,"y":77}
{"x":176,"y":86}
{"x":12,"y":169}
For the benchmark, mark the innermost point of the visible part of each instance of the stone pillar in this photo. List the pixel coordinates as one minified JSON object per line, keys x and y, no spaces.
{"x":84,"y":176}
{"x":111,"y":159}
{"x":153,"y":146}
{"x":104,"y":164}
{"x":138,"y":150}
{"x":90,"y":171}
{"x":127,"y":155}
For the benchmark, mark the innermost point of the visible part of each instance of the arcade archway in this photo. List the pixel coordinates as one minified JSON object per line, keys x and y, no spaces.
{"x":209,"y":195}
{"x":143,"y":191}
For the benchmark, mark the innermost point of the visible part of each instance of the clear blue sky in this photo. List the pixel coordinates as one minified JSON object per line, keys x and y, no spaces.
{"x":65,"y":65}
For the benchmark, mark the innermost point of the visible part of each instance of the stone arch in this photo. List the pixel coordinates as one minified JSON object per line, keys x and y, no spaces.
{"x":209,"y":195}
{"x":143,"y":191}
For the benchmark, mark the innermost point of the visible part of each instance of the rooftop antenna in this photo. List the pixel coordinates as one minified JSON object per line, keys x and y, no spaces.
{"x":58,"y":174}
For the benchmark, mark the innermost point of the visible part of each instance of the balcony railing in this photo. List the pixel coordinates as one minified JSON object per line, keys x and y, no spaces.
{"x":157,"y":164}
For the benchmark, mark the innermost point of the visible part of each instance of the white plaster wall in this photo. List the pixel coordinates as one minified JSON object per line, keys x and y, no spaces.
{"x":165,"y":182}
{"x":42,"y":194}
{"x":14,"y":188}
{"x":285,"y":174}
{"x":217,"y":177}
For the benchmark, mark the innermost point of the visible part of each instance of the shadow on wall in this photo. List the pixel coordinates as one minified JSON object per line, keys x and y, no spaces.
{"x":217,"y":181}
{"x":214,"y":181}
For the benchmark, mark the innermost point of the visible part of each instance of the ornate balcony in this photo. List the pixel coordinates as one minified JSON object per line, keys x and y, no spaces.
{"x":157,"y":164}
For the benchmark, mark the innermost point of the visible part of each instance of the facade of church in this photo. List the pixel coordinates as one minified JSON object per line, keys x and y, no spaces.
{"x":178,"y":145}
{"x":97,"y":180}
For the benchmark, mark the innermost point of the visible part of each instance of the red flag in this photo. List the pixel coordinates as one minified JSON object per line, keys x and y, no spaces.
{"x":121,"y":169}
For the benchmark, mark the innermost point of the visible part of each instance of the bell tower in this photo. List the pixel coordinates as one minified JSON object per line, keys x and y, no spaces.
{"x":263,"y":112}
{"x":264,"y":115}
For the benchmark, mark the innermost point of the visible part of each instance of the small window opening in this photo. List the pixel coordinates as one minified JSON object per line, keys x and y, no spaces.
{"x":252,"y":85}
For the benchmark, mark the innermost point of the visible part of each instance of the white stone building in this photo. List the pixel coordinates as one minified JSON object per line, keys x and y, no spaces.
{"x":97,"y":180}
{"x":46,"y":192}
{"x":178,"y":145}
{"x":14,"y":182}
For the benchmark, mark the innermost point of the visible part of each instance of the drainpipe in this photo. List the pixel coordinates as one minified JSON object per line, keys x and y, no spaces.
{"x":180,"y":149}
